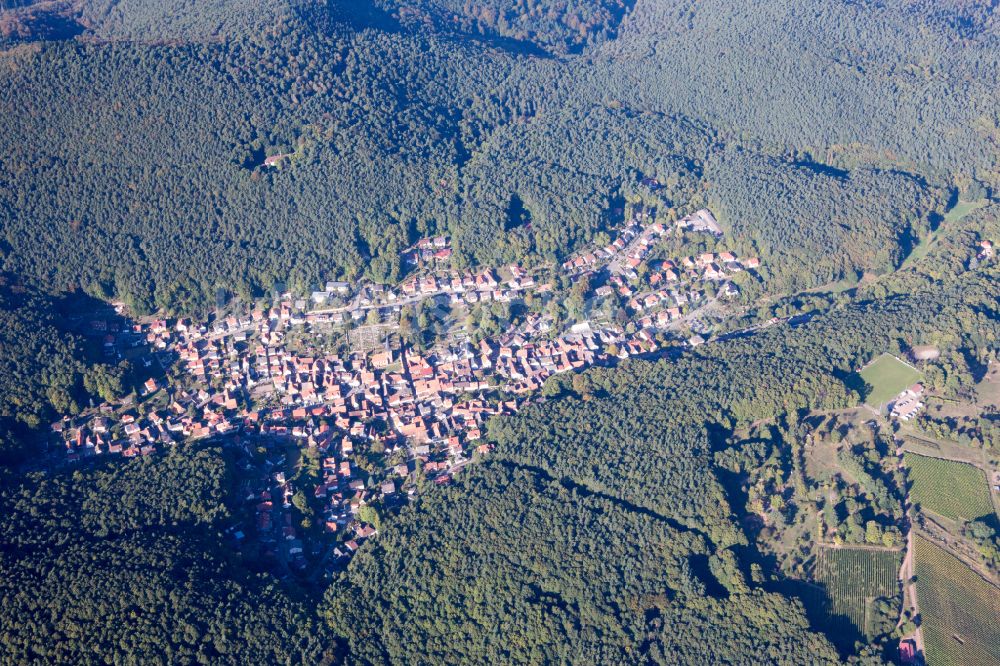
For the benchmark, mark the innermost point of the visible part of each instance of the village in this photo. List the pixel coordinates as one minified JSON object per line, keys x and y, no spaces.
{"x":328,"y":440}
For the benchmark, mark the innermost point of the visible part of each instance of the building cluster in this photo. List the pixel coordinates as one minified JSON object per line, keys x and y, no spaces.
{"x":637,"y":239}
{"x":908,"y":403}
{"x":461,"y":287}
{"x":240,"y":375}
{"x":428,"y":252}
{"x":593,"y":259}
{"x":468,"y":287}
{"x":524,"y":365}
{"x":395,"y":395}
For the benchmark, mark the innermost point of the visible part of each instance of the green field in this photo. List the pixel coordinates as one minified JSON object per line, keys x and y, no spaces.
{"x":959,"y":610}
{"x":956,"y":213}
{"x":951,"y":489}
{"x":887,"y":376}
{"x":853,"y":578}
{"x":963,"y":208}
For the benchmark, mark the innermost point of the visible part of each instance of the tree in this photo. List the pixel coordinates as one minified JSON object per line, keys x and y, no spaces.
{"x":106,"y":381}
{"x":301,"y":502}
{"x":873,"y":533}
{"x":368,"y":513}
{"x":582,"y":385}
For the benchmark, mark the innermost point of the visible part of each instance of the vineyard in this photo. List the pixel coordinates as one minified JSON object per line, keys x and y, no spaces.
{"x":951,"y":489}
{"x":854,"y":578}
{"x":959,"y":610}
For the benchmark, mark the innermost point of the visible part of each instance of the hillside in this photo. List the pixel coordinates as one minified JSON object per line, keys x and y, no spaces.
{"x":126,"y":564}
{"x":511,"y":566}
{"x":498,"y":331}
{"x":651,"y":444}
{"x":362,"y":93}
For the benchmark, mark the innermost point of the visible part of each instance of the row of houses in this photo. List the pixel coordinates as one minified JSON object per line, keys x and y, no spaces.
{"x":592,"y":259}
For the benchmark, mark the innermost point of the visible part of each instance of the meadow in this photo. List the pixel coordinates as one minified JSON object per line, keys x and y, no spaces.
{"x":887,"y":376}
{"x":960,"y":210}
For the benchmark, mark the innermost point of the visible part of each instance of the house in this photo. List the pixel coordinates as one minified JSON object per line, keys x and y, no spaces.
{"x":275,"y":160}
{"x":383,"y":359}
{"x":729,"y":290}
{"x":337,"y":287}
{"x":712,"y":272}
{"x":907,"y":651}
{"x":908,"y":404}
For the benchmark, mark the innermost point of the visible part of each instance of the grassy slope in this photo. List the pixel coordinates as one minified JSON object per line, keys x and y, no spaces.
{"x":955,"y":214}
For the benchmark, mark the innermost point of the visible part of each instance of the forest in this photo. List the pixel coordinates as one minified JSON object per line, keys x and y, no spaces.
{"x":610,"y":522}
{"x":40,"y":365}
{"x":46,"y":369}
{"x":124,"y":563}
{"x":511,"y":566}
{"x":553,"y":27}
{"x":651,"y":441}
{"x":398,"y":129}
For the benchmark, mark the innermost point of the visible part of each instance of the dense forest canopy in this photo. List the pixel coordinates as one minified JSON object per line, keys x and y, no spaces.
{"x":46,"y":369}
{"x":40,"y":365}
{"x":510,"y":566}
{"x":396,"y":130}
{"x":125,"y":564}
{"x":557,"y":27}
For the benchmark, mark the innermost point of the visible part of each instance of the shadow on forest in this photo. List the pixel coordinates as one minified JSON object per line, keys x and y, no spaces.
{"x":364,"y":15}
{"x":111,"y":338}
{"x":699,"y":563}
{"x":837,"y":628}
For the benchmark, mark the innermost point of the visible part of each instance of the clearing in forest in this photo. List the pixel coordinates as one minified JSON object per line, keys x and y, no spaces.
{"x":887,"y":376}
{"x":959,"y":610}
{"x":854,"y":578}
{"x":951,"y":489}
{"x":957,"y":212}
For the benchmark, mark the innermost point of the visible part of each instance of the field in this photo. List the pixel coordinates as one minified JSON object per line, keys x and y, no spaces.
{"x":854,"y":578}
{"x":963,"y":208}
{"x":959,"y":610}
{"x":951,"y":489}
{"x":957,"y":212}
{"x":887,"y":376}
